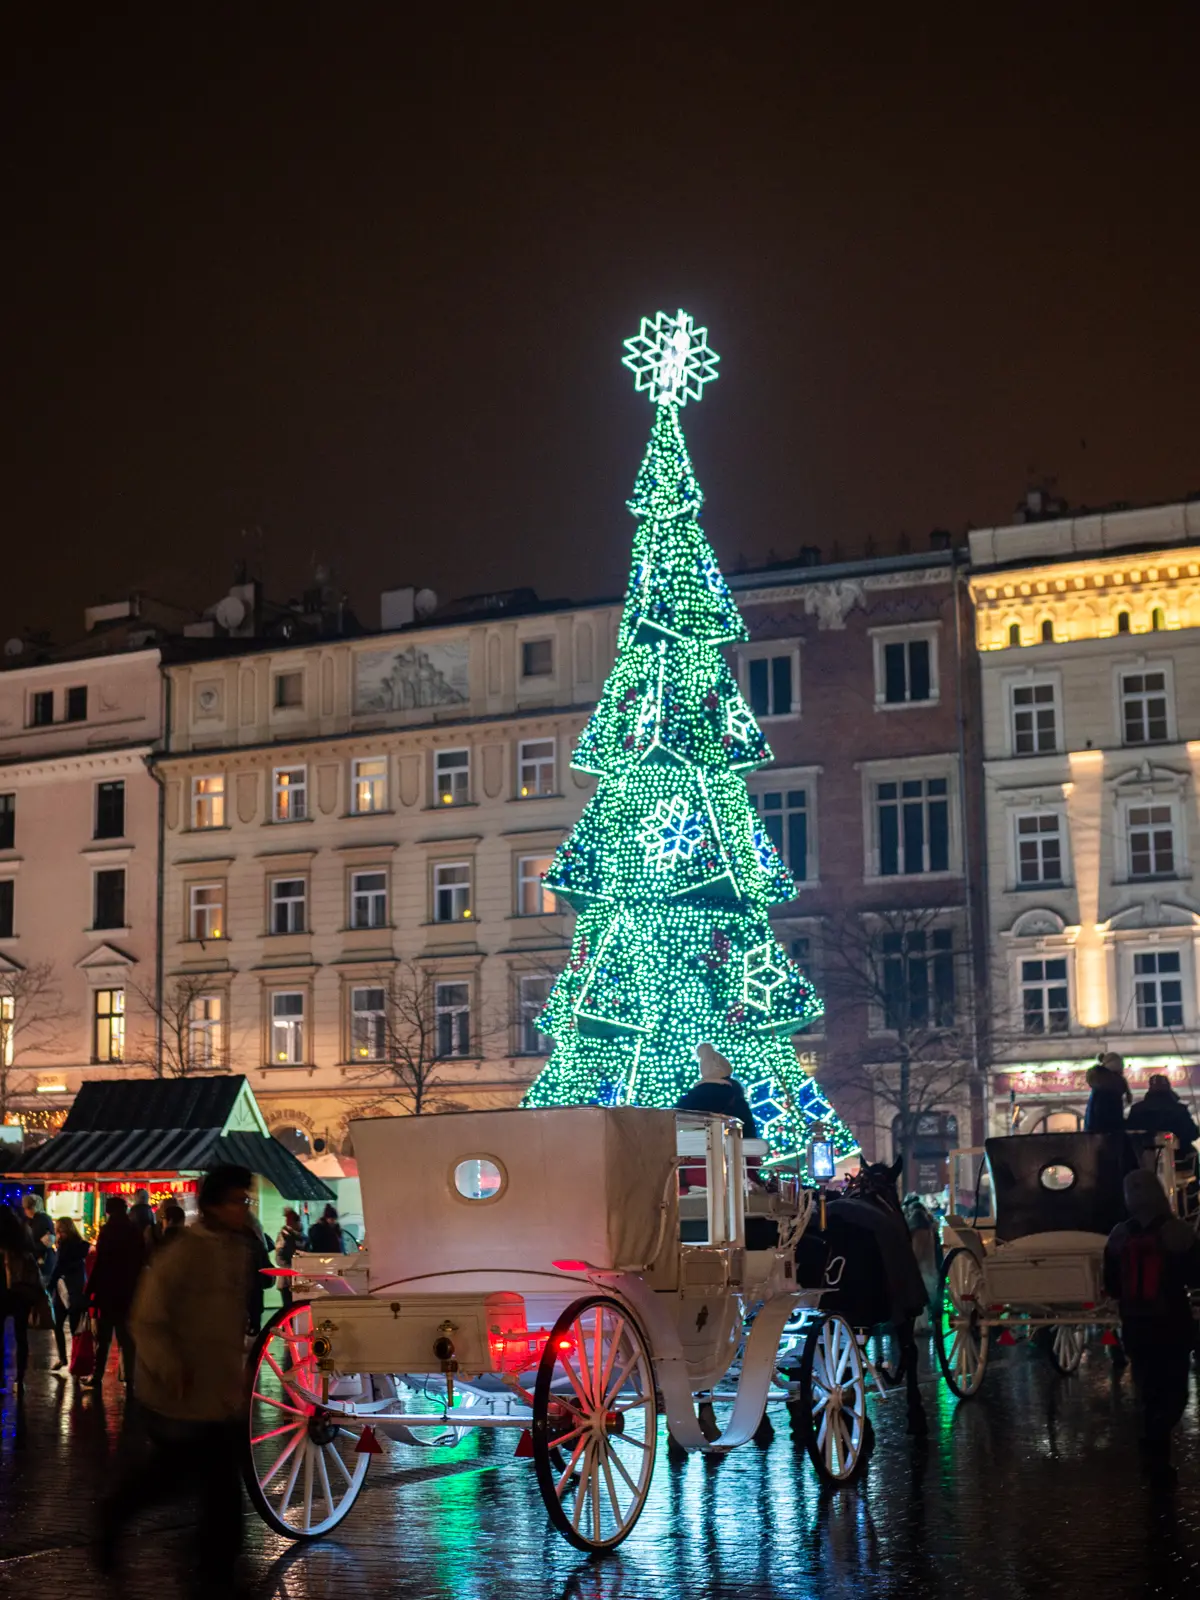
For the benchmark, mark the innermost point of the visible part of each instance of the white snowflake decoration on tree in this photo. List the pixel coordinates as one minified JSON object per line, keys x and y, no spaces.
{"x":647,"y":718}
{"x":670,"y":833}
{"x":764,"y":849}
{"x":739,"y":723}
{"x":764,"y":969}
{"x":670,"y":357}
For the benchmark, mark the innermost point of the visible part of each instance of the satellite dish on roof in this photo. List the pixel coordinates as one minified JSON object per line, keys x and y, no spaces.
{"x":230,"y":612}
{"x":425,"y":603}
{"x":14,"y":647}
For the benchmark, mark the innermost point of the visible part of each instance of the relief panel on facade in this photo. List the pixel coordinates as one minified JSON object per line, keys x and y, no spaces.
{"x":247,"y":796}
{"x":246,"y":697}
{"x":209,"y":700}
{"x":585,"y":664}
{"x":493,"y":769}
{"x":327,"y":787}
{"x":173,"y":788}
{"x":327,"y":687}
{"x":412,"y":679}
{"x":410,"y":780}
{"x":493,"y":665}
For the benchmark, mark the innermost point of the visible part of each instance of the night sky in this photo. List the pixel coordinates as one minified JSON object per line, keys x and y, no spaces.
{"x":358,"y":277}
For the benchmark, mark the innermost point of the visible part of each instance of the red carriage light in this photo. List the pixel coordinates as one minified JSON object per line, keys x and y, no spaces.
{"x":570,"y":1266}
{"x":564,"y":1344}
{"x":279,"y":1272}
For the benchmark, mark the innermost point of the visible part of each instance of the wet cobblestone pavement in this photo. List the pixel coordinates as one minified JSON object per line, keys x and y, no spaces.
{"x":1031,"y":1490}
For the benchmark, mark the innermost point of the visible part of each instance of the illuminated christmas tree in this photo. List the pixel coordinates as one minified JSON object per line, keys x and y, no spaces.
{"x":670,"y":873}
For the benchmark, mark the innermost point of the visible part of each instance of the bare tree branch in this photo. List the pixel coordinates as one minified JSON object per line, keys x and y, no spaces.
{"x":32,"y":1021}
{"x":188,"y":1047}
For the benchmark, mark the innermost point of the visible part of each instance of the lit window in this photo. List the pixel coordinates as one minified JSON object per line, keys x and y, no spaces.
{"x":452,"y":892}
{"x":783,"y":814}
{"x":1158,"y":989}
{"x":291,"y":794}
{"x":206,"y":918}
{"x":368,"y":1023}
{"x":288,"y":897}
{"x":537,"y":658}
{"x":533,"y":992}
{"x":769,"y":685}
{"x":452,"y":1014}
{"x":533,"y":897}
{"x":904,"y":672}
{"x":1144,"y":707}
{"x":108,"y":908}
{"x":289,"y":691}
{"x":110,"y":810}
{"x":1034,"y":718}
{"x":1039,"y":848}
{"x":1151,"y":842}
{"x":535,"y":767}
{"x":369,"y":784}
{"x":368,"y":900}
{"x":8,"y":896}
{"x":913,"y":823}
{"x":918,"y":979}
{"x":452,"y":777}
{"x":287,"y":1028}
{"x":1044,"y":1003}
{"x":204,"y":1032}
{"x":108,"y":1032}
{"x":8,"y":1011}
{"x":208,"y":802}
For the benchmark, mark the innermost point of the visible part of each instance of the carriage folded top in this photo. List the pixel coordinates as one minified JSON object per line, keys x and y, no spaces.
{"x":493,"y":1192}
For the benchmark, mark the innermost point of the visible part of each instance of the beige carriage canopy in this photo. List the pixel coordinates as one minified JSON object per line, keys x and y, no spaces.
{"x":583,"y":1183}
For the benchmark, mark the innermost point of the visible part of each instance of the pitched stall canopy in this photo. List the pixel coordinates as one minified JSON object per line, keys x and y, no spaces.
{"x":162,"y":1125}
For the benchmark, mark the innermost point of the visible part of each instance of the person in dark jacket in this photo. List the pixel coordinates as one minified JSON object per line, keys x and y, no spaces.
{"x":1160,"y":1110}
{"x":718,"y":1091}
{"x":67,"y":1286}
{"x":20,"y":1287}
{"x":289,"y":1239}
{"x":120,"y":1257}
{"x":140,"y":1212}
{"x":41,"y":1231}
{"x":325,"y":1236}
{"x":1105,"y":1112}
{"x":1150,"y":1262}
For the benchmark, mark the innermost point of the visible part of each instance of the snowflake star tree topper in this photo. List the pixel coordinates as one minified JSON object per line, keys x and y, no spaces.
{"x":670,"y":357}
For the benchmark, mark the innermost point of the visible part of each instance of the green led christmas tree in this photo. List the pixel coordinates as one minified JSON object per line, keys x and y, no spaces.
{"x":669,"y":871}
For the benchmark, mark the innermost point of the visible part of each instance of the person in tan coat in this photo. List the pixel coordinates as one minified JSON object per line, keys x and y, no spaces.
{"x":189,"y":1323}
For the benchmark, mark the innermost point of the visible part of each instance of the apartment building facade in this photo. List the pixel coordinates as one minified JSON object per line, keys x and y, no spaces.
{"x":1088,"y":631}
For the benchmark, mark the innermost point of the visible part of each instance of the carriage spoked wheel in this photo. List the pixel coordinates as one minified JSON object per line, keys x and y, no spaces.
{"x":833,"y":1401}
{"x":594,"y":1423}
{"x":959,"y":1332}
{"x":302,"y":1469}
{"x":1064,"y":1346}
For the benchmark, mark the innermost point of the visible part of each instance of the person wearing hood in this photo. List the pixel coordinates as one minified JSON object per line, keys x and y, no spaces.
{"x":718,"y":1091}
{"x":1160,"y":1110}
{"x":1105,"y":1111}
{"x":1150,"y":1262}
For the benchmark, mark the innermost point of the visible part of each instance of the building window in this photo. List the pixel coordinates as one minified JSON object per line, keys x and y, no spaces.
{"x":291,"y":794}
{"x":8,"y":1011}
{"x":769,"y":685}
{"x":452,"y":1013}
{"x":368,"y":900}
{"x":1014,"y":633}
{"x":1144,"y":707}
{"x":1047,"y":631}
{"x":1158,"y":619}
{"x":369,"y":784}
{"x":1151,"y":842}
{"x":206,"y":911}
{"x":368,"y":1024}
{"x":533,"y":897}
{"x":108,"y":1028}
{"x":918,"y":979}
{"x":537,"y":658}
{"x":7,"y":903}
{"x":1034,"y":710}
{"x":535,"y":767}
{"x":77,"y":702}
{"x":110,"y":810}
{"x":1158,"y":989}
{"x":287,"y":1028}
{"x":204,"y":1032}
{"x":288,"y":896}
{"x":1044,"y":1002}
{"x":41,"y":708}
{"x":532,"y":994}
{"x":1039,"y":848}
{"x":452,"y":777}
{"x":783,"y":816}
{"x":8,"y":821}
{"x":108,"y":909}
{"x":289,"y":691}
{"x":208,"y":802}
{"x":905,"y":670}
{"x":913,"y":821}
{"x":452,"y":892}
{"x":1122,"y":622}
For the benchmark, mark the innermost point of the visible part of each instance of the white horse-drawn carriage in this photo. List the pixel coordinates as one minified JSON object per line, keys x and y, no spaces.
{"x":526,"y":1271}
{"x":1038,"y":1271}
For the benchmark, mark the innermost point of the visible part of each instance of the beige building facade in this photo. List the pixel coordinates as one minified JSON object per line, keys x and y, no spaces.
{"x":354,"y":836}
{"x":1088,"y":630}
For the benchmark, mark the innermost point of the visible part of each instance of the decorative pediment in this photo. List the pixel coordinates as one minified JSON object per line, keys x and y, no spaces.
{"x":106,"y":955}
{"x":1038,"y":923}
{"x":1149,"y":777}
{"x":1152,"y":913}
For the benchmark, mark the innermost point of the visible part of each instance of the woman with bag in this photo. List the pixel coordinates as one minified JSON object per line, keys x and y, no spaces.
{"x":67,"y":1289}
{"x":21,"y":1286}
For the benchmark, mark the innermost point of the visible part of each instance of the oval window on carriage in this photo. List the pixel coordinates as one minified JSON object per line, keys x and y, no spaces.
{"x":479,"y":1178}
{"x":1057,"y":1176}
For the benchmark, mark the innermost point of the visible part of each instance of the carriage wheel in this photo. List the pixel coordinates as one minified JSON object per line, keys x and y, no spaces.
{"x":960,"y":1336}
{"x":1064,"y":1346}
{"x":594,"y":1423}
{"x":302,"y":1470}
{"x":833,"y":1395}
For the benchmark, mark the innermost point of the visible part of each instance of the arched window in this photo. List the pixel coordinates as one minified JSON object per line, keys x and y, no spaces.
{"x":1158,"y":619}
{"x":1058,"y":1122}
{"x":1047,"y":631}
{"x":1122,"y":622}
{"x":293,"y":1138}
{"x":1014,"y":633}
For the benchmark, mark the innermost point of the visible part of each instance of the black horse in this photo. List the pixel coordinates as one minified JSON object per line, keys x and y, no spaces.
{"x":864,"y":1259}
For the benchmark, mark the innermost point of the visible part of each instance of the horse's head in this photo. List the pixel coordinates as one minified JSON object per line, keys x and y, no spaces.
{"x":876,"y":1180}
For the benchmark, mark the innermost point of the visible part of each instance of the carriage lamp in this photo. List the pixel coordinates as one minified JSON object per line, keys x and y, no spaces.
{"x":822,"y":1163}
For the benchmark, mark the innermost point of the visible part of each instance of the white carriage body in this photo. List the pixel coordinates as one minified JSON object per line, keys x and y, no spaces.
{"x":1061,"y":1270}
